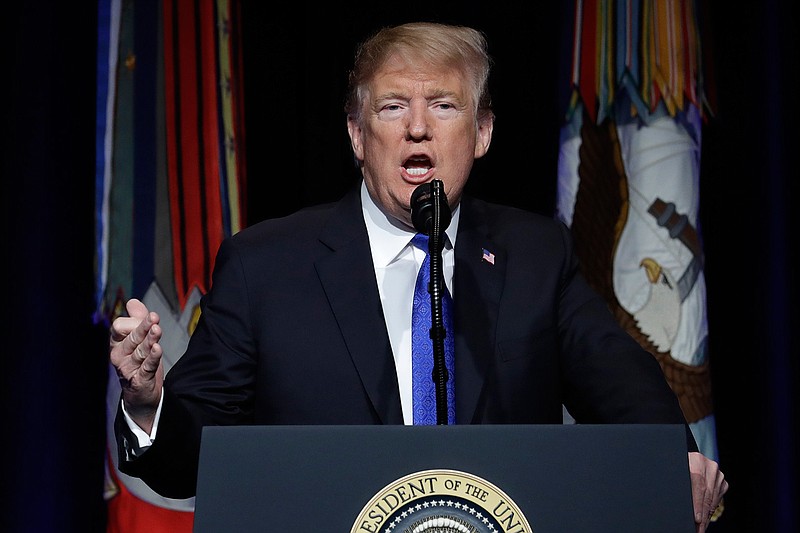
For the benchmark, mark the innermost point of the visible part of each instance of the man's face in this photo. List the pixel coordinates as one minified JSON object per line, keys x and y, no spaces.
{"x":418,"y":123}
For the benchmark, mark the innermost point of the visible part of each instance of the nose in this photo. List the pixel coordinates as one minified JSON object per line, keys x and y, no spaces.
{"x":418,"y":123}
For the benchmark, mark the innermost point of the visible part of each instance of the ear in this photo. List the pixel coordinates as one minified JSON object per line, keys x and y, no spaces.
{"x":356,"y":138}
{"x":484,"y":134}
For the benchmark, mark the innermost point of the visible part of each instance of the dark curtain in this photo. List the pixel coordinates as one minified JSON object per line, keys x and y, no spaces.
{"x":749,"y":184}
{"x":295,"y":68}
{"x":55,"y":371}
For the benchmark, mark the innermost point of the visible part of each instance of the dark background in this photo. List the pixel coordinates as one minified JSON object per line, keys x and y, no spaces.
{"x":54,"y":358}
{"x":304,"y":68}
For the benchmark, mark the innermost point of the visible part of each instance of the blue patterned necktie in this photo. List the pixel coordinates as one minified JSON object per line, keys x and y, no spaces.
{"x":424,"y":389}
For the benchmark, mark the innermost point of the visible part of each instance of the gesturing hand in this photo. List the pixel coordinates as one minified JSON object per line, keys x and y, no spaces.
{"x":135,"y":352}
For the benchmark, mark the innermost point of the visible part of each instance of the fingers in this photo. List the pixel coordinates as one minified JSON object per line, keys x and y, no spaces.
{"x":122,"y":326}
{"x":149,"y":351}
{"x":708,"y":487}
{"x":135,"y":352}
{"x":132,"y":330}
{"x":149,"y":345}
{"x":134,"y":341}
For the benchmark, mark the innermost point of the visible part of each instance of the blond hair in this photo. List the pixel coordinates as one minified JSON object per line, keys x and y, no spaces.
{"x":440,"y":45}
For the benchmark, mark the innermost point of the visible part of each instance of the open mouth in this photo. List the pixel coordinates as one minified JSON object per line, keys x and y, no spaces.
{"x":417,"y":166}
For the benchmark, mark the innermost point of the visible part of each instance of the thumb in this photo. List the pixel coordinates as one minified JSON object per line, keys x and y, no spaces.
{"x":136,"y":308}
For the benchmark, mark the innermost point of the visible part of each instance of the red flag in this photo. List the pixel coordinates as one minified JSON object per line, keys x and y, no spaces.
{"x":163,"y":210}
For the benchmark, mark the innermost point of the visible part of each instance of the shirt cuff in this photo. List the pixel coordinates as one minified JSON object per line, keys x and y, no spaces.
{"x":143,"y":439}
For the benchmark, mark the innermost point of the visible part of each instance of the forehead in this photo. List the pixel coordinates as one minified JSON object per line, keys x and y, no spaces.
{"x":399,"y":72}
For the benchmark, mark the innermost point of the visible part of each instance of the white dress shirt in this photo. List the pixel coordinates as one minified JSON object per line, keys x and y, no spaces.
{"x":397,"y":263}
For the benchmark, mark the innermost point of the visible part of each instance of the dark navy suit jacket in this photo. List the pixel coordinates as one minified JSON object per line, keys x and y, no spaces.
{"x":292,"y":332}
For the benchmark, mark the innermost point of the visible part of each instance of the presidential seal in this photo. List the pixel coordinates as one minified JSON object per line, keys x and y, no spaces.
{"x":441,"y":501}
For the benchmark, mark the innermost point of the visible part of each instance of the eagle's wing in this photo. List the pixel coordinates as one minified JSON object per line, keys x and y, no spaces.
{"x":600,"y":214}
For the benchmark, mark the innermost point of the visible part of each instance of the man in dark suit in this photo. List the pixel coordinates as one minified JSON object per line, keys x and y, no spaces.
{"x":308,"y":317}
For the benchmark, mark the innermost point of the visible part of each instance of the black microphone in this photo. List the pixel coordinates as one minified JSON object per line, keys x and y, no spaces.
{"x":426,"y":201}
{"x":430,"y":214}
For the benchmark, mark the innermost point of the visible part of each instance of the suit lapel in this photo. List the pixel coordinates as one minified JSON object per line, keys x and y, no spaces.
{"x":356,"y":305}
{"x":478,"y":286}
{"x":348,"y":278}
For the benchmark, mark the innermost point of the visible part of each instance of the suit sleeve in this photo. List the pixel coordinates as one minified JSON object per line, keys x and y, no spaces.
{"x":608,"y":377}
{"x":211,"y":384}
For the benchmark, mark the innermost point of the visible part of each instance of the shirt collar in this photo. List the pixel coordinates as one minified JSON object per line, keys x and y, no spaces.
{"x":388,"y":237}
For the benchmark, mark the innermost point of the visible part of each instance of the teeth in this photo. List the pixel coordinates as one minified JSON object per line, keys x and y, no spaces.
{"x":414,"y":171}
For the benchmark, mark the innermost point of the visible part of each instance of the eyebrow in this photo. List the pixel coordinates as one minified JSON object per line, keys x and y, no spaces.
{"x":439,"y":93}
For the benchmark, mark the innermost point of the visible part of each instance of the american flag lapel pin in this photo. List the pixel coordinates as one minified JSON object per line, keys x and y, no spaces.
{"x":487,"y":256}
